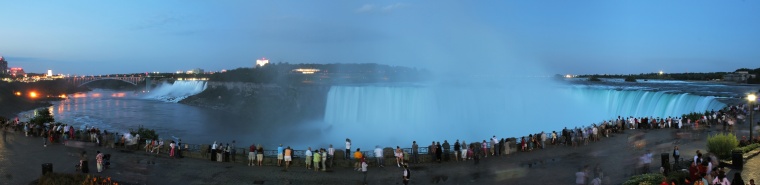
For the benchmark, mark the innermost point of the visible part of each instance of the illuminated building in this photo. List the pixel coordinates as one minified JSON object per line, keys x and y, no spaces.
{"x":261,"y":62}
{"x":306,"y":71}
{"x":195,"y":71}
{"x":50,"y":73}
{"x":17,"y":71}
{"x":3,"y":65}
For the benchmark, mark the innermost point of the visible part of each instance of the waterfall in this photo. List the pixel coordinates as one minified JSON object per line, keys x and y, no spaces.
{"x":443,"y":112}
{"x":177,"y":91}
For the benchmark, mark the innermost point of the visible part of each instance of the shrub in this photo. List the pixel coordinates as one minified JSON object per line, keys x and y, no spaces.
{"x":630,"y":79}
{"x":722,"y":144}
{"x":594,"y":78}
{"x":62,"y":178}
{"x":145,"y":134}
{"x":650,"y":178}
{"x":43,"y":116}
{"x":748,"y":148}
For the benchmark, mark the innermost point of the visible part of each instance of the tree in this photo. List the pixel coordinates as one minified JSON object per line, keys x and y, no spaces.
{"x":43,"y":116}
{"x":630,"y":79}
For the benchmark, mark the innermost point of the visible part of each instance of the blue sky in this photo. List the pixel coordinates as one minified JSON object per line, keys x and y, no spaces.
{"x":545,"y":37}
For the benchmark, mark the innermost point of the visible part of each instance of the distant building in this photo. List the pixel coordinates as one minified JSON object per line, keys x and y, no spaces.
{"x":261,"y":62}
{"x":50,"y":73}
{"x":195,"y":71}
{"x":739,"y":76}
{"x":3,"y":65}
{"x":306,"y":71}
{"x":17,"y":71}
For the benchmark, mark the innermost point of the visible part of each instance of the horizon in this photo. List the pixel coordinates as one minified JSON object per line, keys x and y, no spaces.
{"x":525,"y":38}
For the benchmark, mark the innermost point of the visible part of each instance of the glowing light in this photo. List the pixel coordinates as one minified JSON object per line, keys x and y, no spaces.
{"x":568,"y":76}
{"x":17,"y":93}
{"x":33,"y":94}
{"x":62,"y":96}
{"x":306,"y":71}
{"x":751,"y":97}
{"x":661,"y":72}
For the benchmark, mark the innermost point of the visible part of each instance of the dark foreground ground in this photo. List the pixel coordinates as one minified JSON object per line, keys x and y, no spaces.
{"x":21,"y":158}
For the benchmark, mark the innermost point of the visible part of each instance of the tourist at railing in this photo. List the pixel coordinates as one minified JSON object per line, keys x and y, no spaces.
{"x":415,"y":152}
{"x":457,"y":150}
{"x":288,"y":156}
{"x":348,"y":149}
{"x":331,"y":155}
{"x":308,"y":158}
{"x":379,"y":156}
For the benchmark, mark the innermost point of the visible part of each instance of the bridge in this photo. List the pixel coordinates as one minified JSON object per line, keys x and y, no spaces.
{"x":83,"y":80}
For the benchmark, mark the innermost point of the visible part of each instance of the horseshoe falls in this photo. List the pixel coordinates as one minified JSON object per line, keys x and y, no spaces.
{"x":455,"y":112}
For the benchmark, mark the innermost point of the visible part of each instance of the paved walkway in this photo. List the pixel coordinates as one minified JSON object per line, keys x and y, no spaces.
{"x":21,"y":158}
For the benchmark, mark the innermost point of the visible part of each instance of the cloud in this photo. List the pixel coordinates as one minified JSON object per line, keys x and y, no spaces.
{"x":370,"y":8}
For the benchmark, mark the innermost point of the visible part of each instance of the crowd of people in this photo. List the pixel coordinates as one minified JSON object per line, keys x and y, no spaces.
{"x":323,"y":158}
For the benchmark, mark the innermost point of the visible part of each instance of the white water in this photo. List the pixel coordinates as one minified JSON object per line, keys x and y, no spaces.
{"x":376,"y":113}
{"x":177,"y":91}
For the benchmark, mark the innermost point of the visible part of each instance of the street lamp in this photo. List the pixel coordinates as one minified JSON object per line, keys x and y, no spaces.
{"x":751,"y":98}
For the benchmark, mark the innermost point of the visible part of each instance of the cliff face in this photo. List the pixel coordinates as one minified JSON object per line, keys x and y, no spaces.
{"x":264,"y":102}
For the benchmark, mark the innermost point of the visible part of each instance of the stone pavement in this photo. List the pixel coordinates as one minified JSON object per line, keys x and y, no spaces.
{"x":21,"y":158}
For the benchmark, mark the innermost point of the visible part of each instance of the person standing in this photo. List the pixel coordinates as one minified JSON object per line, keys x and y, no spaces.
{"x":331,"y":154}
{"x":379,"y":156}
{"x":446,"y":150}
{"x":227,"y":153}
{"x":364,"y":170}
{"x":251,"y":155}
{"x":348,"y":149}
{"x":676,"y":155}
{"x":260,"y":155}
{"x":324,"y":159}
{"x":493,"y":145}
{"x":543,"y":140}
{"x":308,"y":158}
{"x":317,"y":160}
{"x":457,"y":150}
{"x":407,"y":175}
{"x":213,"y":151}
{"x":279,"y":155}
{"x":415,"y":152}
{"x":465,"y":151}
{"x":358,"y":156}
{"x":233,"y":152}
{"x":438,"y":152}
{"x":288,"y":157}
{"x":83,"y":164}
{"x":99,"y":159}
{"x":171,"y":149}
{"x":484,"y":146}
{"x":399,"y":156}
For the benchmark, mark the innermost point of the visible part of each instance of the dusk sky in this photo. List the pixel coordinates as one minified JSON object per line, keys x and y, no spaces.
{"x":553,"y":37}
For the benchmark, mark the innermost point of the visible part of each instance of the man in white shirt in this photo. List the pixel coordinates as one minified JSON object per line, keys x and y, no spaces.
{"x":348,"y":149}
{"x":308,"y":158}
{"x":331,"y":154}
{"x":379,"y":156}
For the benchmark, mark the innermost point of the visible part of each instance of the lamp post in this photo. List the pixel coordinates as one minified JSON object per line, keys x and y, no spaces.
{"x":751,"y":98}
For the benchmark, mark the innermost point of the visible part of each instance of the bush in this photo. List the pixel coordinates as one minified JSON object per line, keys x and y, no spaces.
{"x":748,"y":148}
{"x":650,"y":178}
{"x":722,"y":144}
{"x":630,"y":79}
{"x":594,"y":78}
{"x":62,"y":178}
{"x":678,"y":176}
{"x":43,"y":116}
{"x":145,"y":134}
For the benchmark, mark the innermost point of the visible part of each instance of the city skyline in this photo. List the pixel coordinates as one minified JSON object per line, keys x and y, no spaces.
{"x":590,"y":37}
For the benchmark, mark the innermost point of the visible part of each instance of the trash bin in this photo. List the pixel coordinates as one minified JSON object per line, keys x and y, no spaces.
{"x":47,"y":168}
{"x":665,"y":162}
{"x":737,"y":159}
